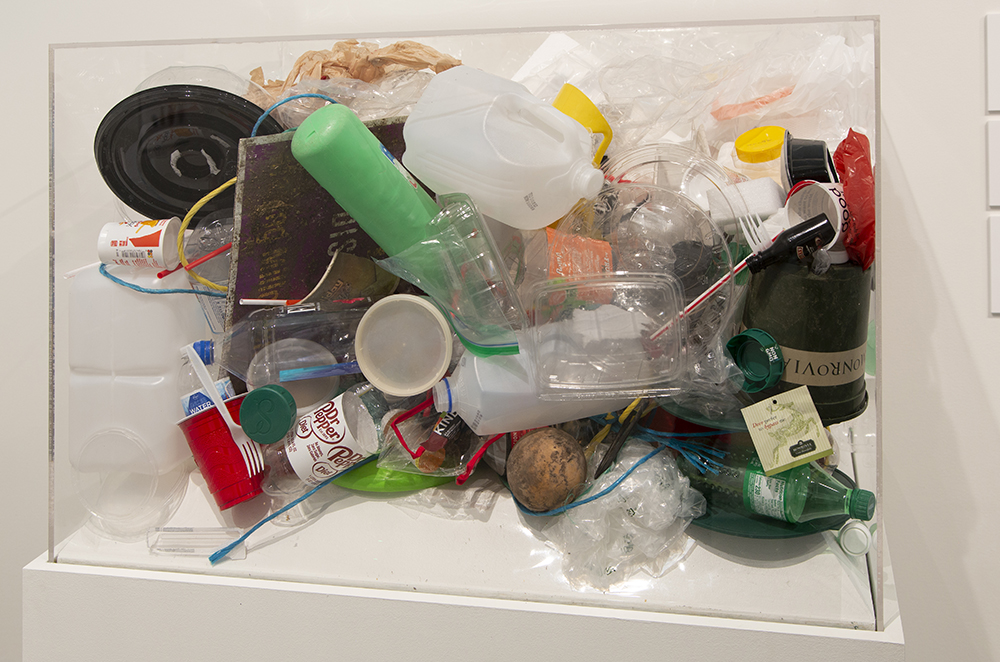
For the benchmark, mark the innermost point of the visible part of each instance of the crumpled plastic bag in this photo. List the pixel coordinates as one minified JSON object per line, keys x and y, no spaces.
{"x":460,"y":267}
{"x":359,"y":60}
{"x":375,"y":82}
{"x":853,"y":161}
{"x":637,"y":528}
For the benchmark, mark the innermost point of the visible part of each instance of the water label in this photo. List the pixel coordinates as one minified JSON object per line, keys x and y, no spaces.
{"x":764,"y":495}
{"x":323,"y":446}
{"x":199,"y":400}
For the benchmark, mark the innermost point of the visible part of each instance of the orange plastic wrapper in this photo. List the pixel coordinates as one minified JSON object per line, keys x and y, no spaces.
{"x":854,"y":165}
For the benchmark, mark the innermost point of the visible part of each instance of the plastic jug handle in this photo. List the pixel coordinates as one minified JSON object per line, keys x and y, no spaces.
{"x":578,"y":105}
{"x":538,"y":115}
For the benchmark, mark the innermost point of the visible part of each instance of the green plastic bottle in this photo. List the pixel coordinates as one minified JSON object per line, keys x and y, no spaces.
{"x":797,"y":495}
{"x":346,"y":158}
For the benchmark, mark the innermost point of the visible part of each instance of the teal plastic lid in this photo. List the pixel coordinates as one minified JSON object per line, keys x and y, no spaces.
{"x":862,"y":505}
{"x":758,"y":355}
{"x":267,"y":413}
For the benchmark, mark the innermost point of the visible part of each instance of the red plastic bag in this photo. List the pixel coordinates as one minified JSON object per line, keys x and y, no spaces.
{"x":854,"y":165}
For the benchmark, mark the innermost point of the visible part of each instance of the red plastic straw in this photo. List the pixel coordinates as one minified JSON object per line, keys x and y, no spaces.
{"x":194,"y":263}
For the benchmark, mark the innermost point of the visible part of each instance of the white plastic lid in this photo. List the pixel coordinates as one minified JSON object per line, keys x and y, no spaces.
{"x":855,"y":538}
{"x":403,"y":345}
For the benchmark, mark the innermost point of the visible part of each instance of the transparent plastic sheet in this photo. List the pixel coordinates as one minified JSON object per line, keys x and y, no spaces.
{"x":704,"y":86}
{"x":391,"y":96}
{"x":473,"y":501}
{"x":637,"y":528}
{"x":713,"y":390}
{"x":249,"y":349}
{"x":462,"y":270}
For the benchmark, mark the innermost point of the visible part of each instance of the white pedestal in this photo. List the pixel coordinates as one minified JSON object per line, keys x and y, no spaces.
{"x":91,"y":613}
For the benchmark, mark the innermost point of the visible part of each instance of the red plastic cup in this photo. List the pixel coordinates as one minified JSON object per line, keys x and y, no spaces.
{"x":218,"y":457}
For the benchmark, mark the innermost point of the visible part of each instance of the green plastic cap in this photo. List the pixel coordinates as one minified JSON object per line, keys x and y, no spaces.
{"x":758,"y":355}
{"x":862,"y":505}
{"x":267,"y":413}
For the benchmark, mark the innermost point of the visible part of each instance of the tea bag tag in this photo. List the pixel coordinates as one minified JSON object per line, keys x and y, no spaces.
{"x":786,"y":430}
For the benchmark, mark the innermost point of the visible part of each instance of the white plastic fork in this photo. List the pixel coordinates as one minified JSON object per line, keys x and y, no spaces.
{"x":252,"y":455}
{"x":752,"y":227}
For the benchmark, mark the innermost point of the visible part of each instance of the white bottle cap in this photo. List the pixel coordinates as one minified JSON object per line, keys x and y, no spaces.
{"x":855,"y":538}
{"x":443,"y":401}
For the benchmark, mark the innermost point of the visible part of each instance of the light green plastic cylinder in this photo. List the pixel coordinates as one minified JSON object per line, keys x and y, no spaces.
{"x":343,"y":155}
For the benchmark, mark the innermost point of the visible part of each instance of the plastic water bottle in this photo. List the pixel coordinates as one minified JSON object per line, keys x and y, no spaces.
{"x":499,"y":394}
{"x":521,"y":161}
{"x":300,"y":454}
{"x":346,"y":158}
{"x":801,"y":494}
{"x":193,"y":395}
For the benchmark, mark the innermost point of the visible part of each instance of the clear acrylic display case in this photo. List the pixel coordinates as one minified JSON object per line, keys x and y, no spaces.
{"x":378,"y":541}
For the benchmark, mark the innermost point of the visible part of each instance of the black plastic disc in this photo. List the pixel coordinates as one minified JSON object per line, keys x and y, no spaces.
{"x":163,"y":149}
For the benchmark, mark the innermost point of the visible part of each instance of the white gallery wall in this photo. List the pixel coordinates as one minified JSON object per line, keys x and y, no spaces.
{"x":940,"y":347}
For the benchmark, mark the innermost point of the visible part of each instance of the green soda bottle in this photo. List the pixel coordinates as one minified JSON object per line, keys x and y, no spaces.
{"x":798,"y":495}
{"x":346,"y":158}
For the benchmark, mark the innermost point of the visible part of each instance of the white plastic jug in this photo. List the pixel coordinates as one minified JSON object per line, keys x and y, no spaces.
{"x":500,"y":394}
{"x":123,"y":405}
{"x":522,"y":162}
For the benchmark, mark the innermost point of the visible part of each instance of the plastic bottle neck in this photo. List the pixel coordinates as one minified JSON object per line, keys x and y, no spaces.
{"x":587,"y":180}
{"x":444,"y":401}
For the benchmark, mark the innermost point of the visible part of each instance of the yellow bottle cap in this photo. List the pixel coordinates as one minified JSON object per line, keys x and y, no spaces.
{"x":761,"y":144}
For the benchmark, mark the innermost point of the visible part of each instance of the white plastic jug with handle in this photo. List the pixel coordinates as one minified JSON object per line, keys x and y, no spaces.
{"x":521,"y":161}
{"x":124,"y":370}
{"x":129,"y":459}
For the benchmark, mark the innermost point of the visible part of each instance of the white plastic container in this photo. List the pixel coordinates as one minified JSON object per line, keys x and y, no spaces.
{"x":124,"y":445}
{"x":522,"y":162}
{"x":500,"y":394}
{"x":757,"y":153}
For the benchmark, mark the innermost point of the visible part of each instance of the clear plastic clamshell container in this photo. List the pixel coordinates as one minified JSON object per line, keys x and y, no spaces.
{"x":594,"y":335}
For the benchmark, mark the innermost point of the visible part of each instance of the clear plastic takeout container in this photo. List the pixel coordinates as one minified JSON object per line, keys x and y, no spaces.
{"x":592,"y":335}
